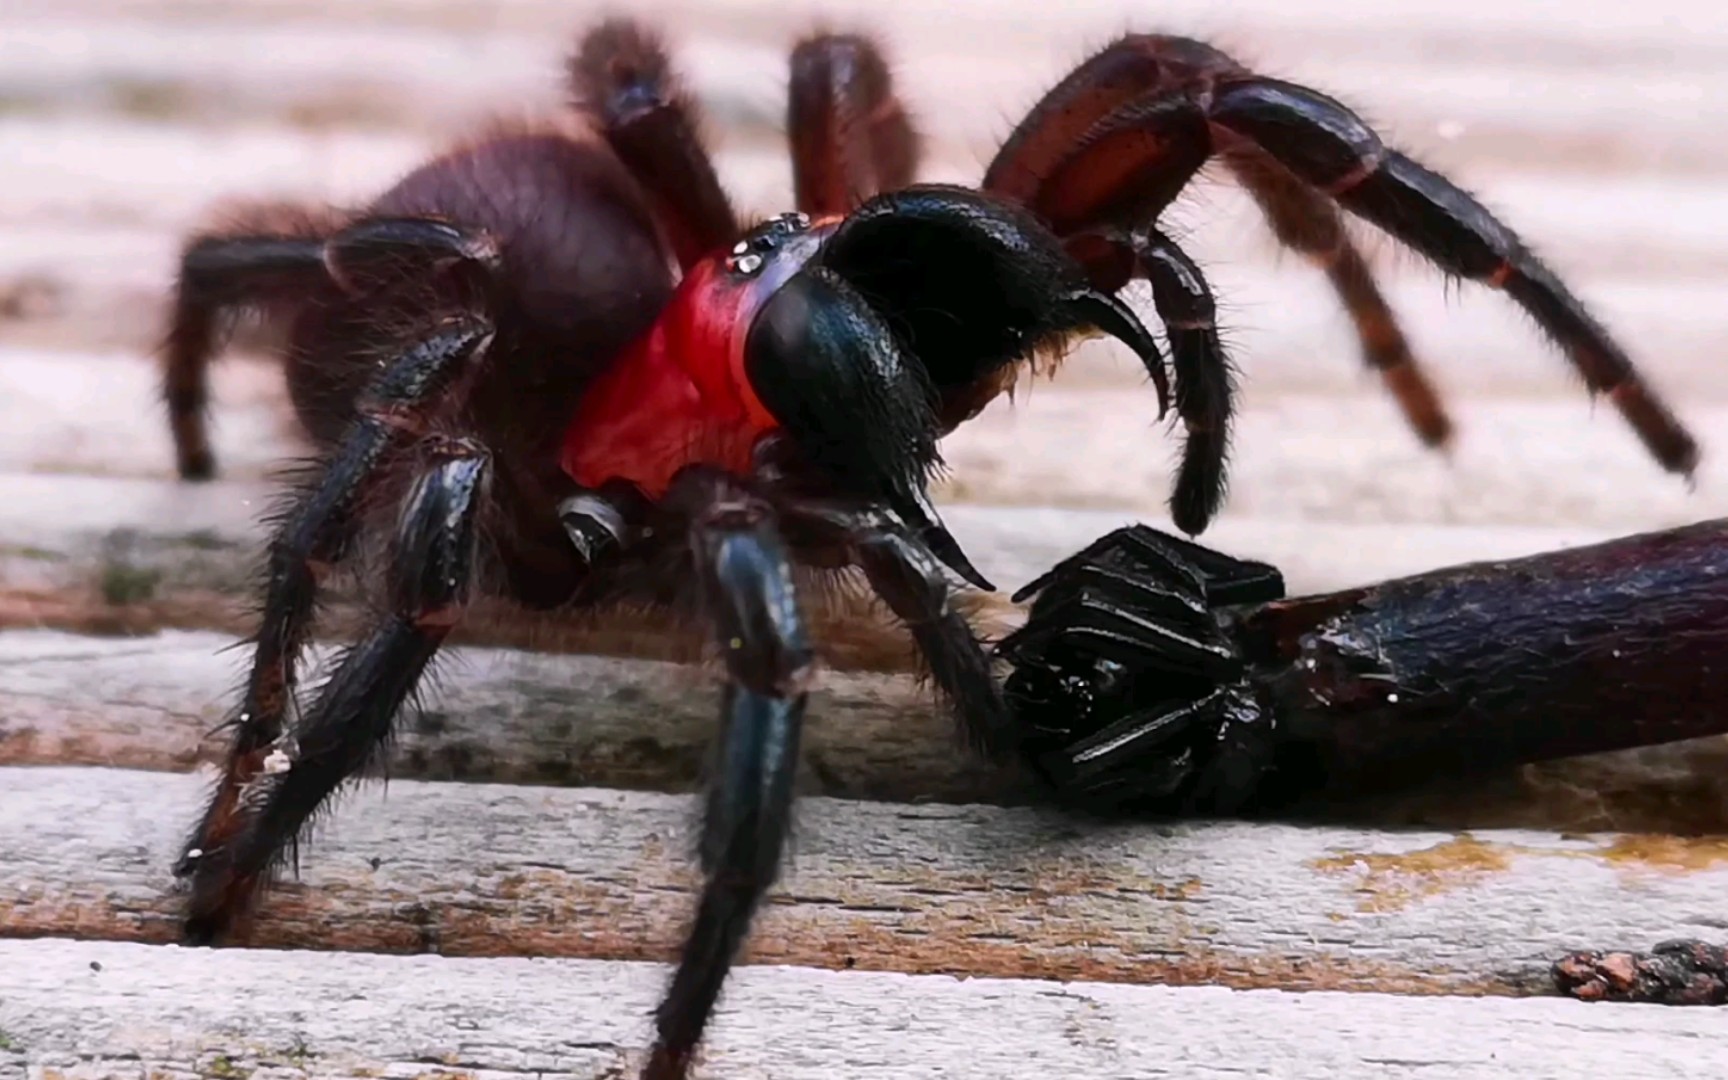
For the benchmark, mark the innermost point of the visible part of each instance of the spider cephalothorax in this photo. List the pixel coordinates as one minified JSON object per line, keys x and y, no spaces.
{"x":551,"y":364}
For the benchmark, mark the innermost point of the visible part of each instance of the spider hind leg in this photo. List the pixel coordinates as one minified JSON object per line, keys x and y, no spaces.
{"x":354,"y":712}
{"x":1331,"y":148}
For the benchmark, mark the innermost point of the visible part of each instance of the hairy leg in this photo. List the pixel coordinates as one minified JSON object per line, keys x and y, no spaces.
{"x":1331,"y":148}
{"x":1325,"y":146}
{"x":317,"y":534}
{"x":277,"y":256}
{"x":622,"y":79}
{"x":431,"y":566}
{"x":270,"y":254}
{"x":1204,"y":379}
{"x":1307,"y":222}
{"x":1103,"y":193}
{"x":909,"y":579}
{"x":747,"y":586}
{"x":851,"y":138}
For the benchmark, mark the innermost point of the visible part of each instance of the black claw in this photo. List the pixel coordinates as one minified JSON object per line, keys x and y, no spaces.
{"x":943,"y":545}
{"x":918,"y":512}
{"x":1119,"y":321}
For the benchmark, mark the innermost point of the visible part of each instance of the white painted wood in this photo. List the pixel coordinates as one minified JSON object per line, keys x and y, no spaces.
{"x":476,"y":869}
{"x":89,"y":1010}
{"x":1636,"y":227}
{"x":968,"y":68}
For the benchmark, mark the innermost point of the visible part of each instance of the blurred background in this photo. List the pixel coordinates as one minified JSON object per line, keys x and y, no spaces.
{"x":1594,"y":128}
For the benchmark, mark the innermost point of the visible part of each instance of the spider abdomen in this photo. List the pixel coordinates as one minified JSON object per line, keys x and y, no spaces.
{"x":583,"y":272}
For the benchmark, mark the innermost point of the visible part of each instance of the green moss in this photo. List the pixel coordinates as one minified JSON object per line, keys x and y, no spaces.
{"x":204,"y":540}
{"x":35,"y":554}
{"x":123,"y":583}
{"x":223,"y":1069}
{"x":149,"y":99}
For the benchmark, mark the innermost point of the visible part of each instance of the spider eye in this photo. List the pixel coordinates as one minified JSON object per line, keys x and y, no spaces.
{"x":761,"y":243}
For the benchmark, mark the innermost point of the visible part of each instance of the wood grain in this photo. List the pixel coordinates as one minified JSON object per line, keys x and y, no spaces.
{"x":490,"y":870}
{"x":1338,"y":457}
{"x":90,"y":1011}
{"x":505,"y":716}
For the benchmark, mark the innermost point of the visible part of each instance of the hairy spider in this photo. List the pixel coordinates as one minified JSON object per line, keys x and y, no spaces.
{"x":555,"y":360}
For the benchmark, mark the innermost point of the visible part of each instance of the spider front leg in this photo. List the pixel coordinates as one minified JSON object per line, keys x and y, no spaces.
{"x":431,"y":566}
{"x":315,"y":536}
{"x":747,"y":586}
{"x":1204,"y":387}
{"x":1331,"y":148}
{"x":271,"y":263}
{"x":909,"y":579}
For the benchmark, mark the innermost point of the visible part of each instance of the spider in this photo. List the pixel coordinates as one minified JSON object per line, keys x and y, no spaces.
{"x":551,"y":365}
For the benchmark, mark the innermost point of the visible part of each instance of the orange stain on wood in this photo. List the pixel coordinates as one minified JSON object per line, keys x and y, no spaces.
{"x":1394,"y":882}
{"x":1673,"y":854}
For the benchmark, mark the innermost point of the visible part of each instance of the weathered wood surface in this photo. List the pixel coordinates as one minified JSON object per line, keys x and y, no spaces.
{"x":102,"y":554}
{"x":91,"y":1011}
{"x":492,"y":870}
{"x":158,"y":703}
{"x":1303,"y":455}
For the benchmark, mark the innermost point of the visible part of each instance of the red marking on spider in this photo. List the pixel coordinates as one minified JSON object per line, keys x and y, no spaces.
{"x":679,"y":395}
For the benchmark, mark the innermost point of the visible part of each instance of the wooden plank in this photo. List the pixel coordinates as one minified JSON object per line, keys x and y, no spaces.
{"x":511,"y":717}
{"x":102,"y":555}
{"x":84,"y":1010}
{"x":1425,"y":76}
{"x":489,"y":870}
{"x":1348,"y":458}
{"x":158,"y":702}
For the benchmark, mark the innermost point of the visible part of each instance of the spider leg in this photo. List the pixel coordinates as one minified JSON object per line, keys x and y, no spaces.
{"x":1330,"y":147}
{"x":315,"y":535}
{"x":352,"y":717}
{"x":851,"y":138}
{"x":219,"y":272}
{"x":622,"y":79}
{"x":1072,"y":159}
{"x":1102,"y":194}
{"x":1307,"y":222}
{"x":1204,"y":383}
{"x":747,"y":584}
{"x":909,"y":579}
